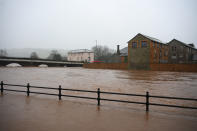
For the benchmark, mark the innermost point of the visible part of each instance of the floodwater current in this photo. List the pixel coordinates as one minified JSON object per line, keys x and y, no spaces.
{"x":161,"y":83}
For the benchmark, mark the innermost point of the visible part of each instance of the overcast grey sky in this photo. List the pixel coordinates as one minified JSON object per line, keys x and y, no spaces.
{"x":74,"y":24}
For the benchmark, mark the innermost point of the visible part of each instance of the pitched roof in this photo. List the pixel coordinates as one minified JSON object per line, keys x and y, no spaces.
{"x":124,"y":51}
{"x":182,"y":43}
{"x":153,"y":39}
{"x":80,"y":51}
{"x":150,"y":38}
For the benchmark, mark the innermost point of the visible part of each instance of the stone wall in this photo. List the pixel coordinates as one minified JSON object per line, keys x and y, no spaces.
{"x":153,"y":67}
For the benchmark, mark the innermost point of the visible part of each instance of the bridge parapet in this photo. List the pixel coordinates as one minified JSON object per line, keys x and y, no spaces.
{"x":37,"y":62}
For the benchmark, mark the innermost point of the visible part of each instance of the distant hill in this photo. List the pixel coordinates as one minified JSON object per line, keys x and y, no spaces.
{"x":26,"y":52}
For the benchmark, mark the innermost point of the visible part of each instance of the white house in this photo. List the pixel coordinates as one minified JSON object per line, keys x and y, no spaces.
{"x":81,"y":55}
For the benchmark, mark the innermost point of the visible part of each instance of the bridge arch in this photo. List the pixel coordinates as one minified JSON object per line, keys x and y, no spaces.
{"x":13,"y":65}
{"x":29,"y":62}
{"x":43,"y":65}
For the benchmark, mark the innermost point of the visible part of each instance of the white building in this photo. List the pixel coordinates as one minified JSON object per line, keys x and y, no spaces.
{"x":81,"y":55}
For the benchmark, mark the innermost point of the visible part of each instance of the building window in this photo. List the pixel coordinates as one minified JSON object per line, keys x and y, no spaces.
{"x":166,"y":53}
{"x":173,"y":56}
{"x":157,"y":45}
{"x":134,"y":45}
{"x":160,"y":54}
{"x":181,"y":47}
{"x":144,"y":44}
{"x":153,"y":44}
{"x":164,"y":46}
{"x":173,"y":48}
{"x":155,"y":53}
{"x":189,"y":50}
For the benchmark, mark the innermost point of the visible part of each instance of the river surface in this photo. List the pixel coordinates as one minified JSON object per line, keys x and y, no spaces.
{"x":179,"y":84}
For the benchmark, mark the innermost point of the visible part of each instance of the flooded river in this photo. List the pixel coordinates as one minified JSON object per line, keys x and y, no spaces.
{"x":180,"y":84}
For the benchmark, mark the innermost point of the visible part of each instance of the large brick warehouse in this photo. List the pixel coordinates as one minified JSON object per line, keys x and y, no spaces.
{"x":145,"y":50}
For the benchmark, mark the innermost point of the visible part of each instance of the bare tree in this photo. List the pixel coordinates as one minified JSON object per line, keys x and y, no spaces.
{"x":3,"y":53}
{"x":34,"y":55}
{"x":105,"y":54}
{"x":55,"y":55}
{"x":64,"y":58}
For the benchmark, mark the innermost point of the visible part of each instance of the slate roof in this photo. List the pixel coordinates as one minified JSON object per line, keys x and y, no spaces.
{"x":124,"y":51}
{"x":80,"y":51}
{"x":150,"y":38}
{"x":183,"y":43}
{"x":153,"y":39}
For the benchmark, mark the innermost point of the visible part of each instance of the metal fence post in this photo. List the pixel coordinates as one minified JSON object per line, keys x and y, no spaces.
{"x":147,"y":101}
{"x":98,"y":98}
{"x":28,"y":89}
{"x":1,"y":87}
{"x":60,"y":93}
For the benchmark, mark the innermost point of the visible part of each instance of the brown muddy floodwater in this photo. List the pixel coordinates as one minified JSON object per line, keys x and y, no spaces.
{"x":180,"y":84}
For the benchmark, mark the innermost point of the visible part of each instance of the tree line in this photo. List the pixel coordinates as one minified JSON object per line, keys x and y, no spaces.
{"x":54,"y":55}
{"x":105,"y":54}
{"x":101,"y":53}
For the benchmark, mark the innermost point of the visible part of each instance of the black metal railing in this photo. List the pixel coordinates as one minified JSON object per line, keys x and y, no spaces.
{"x":98,"y":98}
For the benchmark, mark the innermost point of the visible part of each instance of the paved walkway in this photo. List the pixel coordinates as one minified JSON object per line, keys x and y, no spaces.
{"x":20,"y":113}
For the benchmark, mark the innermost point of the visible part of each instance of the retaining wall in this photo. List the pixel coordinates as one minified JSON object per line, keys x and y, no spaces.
{"x":122,"y":66}
{"x":153,"y":67}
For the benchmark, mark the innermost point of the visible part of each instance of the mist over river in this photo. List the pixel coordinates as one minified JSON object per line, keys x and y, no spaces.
{"x":180,"y":84}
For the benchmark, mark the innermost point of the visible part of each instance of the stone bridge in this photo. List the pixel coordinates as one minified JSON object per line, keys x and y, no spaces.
{"x":36,"y":62}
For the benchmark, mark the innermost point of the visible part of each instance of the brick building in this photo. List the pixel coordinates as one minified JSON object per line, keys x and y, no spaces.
{"x":180,"y":52}
{"x":143,"y":50}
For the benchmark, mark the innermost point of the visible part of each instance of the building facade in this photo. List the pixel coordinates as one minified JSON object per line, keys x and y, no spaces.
{"x":83,"y":55}
{"x":144,"y":50}
{"x":180,"y":52}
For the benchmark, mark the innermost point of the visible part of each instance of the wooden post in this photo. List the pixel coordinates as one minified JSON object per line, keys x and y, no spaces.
{"x":60,"y":93}
{"x":98,"y":97}
{"x":28,"y":89}
{"x":1,"y":87}
{"x":147,"y":101}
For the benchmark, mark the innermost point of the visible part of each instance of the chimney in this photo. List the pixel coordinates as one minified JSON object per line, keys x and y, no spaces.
{"x":191,"y":44}
{"x":118,"y":49}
